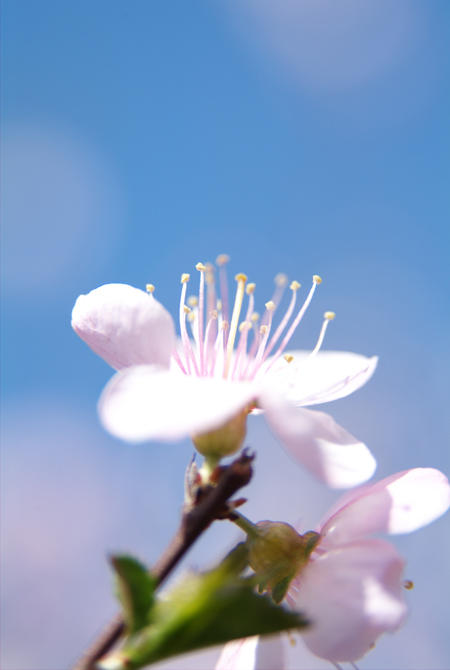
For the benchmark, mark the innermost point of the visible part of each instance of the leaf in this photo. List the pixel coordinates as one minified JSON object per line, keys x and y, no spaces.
{"x":205,"y":610}
{"x":135,"y":590}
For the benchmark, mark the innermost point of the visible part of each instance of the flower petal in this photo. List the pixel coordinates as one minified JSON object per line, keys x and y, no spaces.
{"x":253,"y":653}
{"x":150,"y":403}
{"x":328,"y":376}
{"x":401,"y":503}
{"x":125,"y":326}
{"x":314,"y":439}
{"x":351,"y":595}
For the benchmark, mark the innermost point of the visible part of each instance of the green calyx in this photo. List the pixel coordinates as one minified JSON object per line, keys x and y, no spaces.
{"x":223,"y":441}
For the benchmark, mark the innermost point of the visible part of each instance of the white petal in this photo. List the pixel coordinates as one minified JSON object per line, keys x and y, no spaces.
{"x":149,"y":403}
{"x":253,"y":653}
{"x":125,"y":326}
{"x":313,"y":438}
{"x":398,"y":504}
{"x":351,"y":595}
{"x":328,"y":376}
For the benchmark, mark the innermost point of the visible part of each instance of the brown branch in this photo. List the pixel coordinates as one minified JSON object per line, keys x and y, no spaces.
{"x":210,"y":506}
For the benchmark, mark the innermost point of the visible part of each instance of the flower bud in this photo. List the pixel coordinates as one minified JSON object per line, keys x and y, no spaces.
{"x":223,"y":441}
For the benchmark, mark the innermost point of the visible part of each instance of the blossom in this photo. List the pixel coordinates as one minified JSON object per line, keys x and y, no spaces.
{"x":351,"y":587}
{"x":167,"y":389}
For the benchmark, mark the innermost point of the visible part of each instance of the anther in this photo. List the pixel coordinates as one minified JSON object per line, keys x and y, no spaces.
{"x":185,"y":278}
{"x":245,"y":325}
{"x":225,"y":325}
{"x":263,"y":330}
{"x":281,"y":280}
{"x":270,"y":306}
{"x":241,"y":277}
{"x":288,"y":358}
{"x":222,"y":259}
{"x":192,"y":301}
{"x":408,"y":584}
{"x":200,"y":267}
{"x":149,"y":288}
{"x":186,"y":309}
{"x":219,"y":305}
{"x":295,"y":285}
{"x":250,"y":289}
{"x":255,"y":317}
{"x":191,"y":317}
{"x":329,"y":316}
{"x":213,"y":314}
{"x":317,"y":279}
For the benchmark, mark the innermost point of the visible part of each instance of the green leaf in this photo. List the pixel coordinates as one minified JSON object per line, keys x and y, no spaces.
{"x":135,"y":590}
{"x":205,"y":610}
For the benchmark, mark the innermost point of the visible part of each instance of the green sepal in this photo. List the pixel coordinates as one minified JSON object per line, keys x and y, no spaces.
{"x":205,"y":610}
{"x":280,"y":589}
{"x":135,"y":588}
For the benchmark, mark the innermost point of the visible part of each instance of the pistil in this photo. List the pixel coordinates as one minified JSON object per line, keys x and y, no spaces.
{"x":241,"y":280}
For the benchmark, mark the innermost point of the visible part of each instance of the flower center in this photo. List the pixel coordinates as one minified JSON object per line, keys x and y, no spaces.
{"x":211,"y":352}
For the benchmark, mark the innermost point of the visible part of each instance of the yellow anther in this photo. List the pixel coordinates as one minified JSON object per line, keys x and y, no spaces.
{"x":408,"y":584}
{"x":288,"y":358}
{"x":263,"y":330}
{"x":213,"y":314}
{"x":295,"y":285}
{"x":200,"y":267}
{"x":245,"y":325}
{"x":329,"y":316}
{"x":186,"y":309}
{"x":241,"y":277}
{"x":222,"y":259}
{"x":191,"y":317}
{"x":219,"y":305}
{"x":250,"y":289}
{"x":149,"y":288}
{"x":192,"y":301}
{"x":255,"y":317}
{"x":281,"y":280}
{"x":270,"y":306}
{"x":225,"y":325}
{"x":317,"y":279}
{"x":185,"y":278}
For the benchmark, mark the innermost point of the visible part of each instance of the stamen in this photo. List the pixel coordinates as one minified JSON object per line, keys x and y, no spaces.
{"x":187,"y":310}
{"x":211,"y":300}
{"x":285,"y":320}
{"x":408,"y":584}
{"x":149,"y":288}
{"x":280,"y":281}
{"x":192,"y":301}
{"x":328,"y":316}
{"x":201,"y":301}
{"x":212,"y":319}
{"x":222,"y":261}
{"x":188,"y":353}
{"x":177,"y":359}
{"x":265,"y":331}
{"x":288,"y":358}
{"x":298,"y":318}
{"x":241,"y":280}
{"x":244,"y":327}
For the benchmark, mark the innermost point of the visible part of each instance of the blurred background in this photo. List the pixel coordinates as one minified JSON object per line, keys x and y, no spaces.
{"x":139,"y":138}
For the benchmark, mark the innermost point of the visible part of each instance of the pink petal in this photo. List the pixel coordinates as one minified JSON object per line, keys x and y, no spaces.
{"x":253,"y":653}
{"x":401,"y":503}
{"x":313,"y":438}
{"x":328,"y":376}
{"x":150,"y":403}
{"x":125,"y":326}
{"x":351,"y":595}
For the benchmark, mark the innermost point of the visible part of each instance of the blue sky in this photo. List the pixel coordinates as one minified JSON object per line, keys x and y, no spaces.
{"x":141,"y":138}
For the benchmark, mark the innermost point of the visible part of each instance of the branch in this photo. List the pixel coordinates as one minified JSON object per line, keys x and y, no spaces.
{"x":210,"y":506}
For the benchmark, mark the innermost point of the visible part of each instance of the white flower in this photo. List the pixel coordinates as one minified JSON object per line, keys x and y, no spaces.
{"x":166,"y":391}
{"x":351,"y":587}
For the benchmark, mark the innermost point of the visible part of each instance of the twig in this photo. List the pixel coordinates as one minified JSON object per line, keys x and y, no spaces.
{"x":211,"y":506}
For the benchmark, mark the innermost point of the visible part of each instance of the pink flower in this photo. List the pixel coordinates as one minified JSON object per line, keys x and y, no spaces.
{"x":351,"y":588}
{"x":166,"y":390}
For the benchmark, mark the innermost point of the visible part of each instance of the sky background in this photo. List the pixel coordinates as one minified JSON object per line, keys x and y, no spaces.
{"x":139,"y":138}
